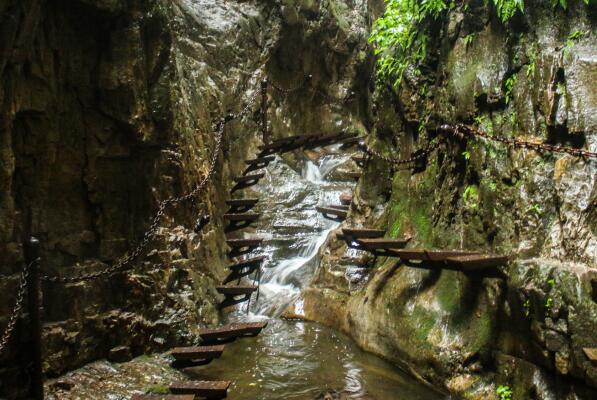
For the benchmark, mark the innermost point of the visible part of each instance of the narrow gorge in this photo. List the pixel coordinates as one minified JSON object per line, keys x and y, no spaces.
{"x":298,"y":199}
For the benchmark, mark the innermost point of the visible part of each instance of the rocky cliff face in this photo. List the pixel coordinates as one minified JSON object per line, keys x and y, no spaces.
{"x":108,"y":108}
{"x":530,"y":79}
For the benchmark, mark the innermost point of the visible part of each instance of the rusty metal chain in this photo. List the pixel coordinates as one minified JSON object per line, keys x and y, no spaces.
{"x":16,"y":311}
{"x":150,"y":234}
{"x":421,"y":154}
{"x":243,"y":112}
{"x":460,"y":130}
{"x":294,"y":88}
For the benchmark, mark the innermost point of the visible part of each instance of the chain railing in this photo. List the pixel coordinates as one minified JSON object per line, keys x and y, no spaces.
{"x":462,"y":130}
{"x":17,"y":308}
{"x":293,"y":88}
{"x":125,"y":262}
{"x":416,"y":156}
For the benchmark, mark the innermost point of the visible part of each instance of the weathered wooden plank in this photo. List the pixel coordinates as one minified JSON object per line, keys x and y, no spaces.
{"x":430,"y":255}
{"x":197,"y":352}
{"x":363,"y":233}
{"x":381,"y":244}
{"x":249,"y":178}
{"x":328,"y":211}
{"x":236,"y":290}
{"x":476,"y":262}
{"x":207,"y":389}
{"x":231,"y":331}
{"x":244,"y":242}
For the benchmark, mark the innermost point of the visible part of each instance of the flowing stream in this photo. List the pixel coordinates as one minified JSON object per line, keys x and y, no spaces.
{"x":290,"y":359}
{"x":297,"y":359}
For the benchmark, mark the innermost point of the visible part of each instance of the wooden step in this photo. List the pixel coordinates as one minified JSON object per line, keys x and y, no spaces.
{"x":231,"y":331}
{"x":239,"y":247}
{"x":591,"y":353}
{"x":197,"y":352}
{"x":246,"y":181}
{"x":207,"y":389}
{"x":236,"y":243}
{"x":249,"y":178}
{"x":325,"y":140}
{"x":163,"y":397}
{"x":236,"y":275}
{"x":241,"y":205}
{"x":381,"y":244}
{"x":243,"y":268}
{"x":332,"y":213}
{"x":236,"y":290}
{"x":363,"y":233}
{"x":242,"y":217}
{"x":430,"y":255}
{"x":477,"y":262}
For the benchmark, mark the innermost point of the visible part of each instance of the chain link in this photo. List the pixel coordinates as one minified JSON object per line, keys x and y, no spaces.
{"x":460,"y":130}
{"x":294,"y":88}
{"x":18,"y":307}
{"x":422,"y":154}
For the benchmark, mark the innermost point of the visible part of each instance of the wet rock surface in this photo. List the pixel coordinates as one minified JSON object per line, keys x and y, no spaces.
{"x":470,"y":335}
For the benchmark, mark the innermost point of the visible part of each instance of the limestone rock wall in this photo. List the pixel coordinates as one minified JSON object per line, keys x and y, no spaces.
{"x":463,"y":334}
{"x":108,"y":108}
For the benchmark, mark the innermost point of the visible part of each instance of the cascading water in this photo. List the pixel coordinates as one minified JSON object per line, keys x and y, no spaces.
{"x":296,"y":359}
{"x":289,"y":359}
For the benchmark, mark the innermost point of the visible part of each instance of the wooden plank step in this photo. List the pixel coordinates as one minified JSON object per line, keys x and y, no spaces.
{"x":363,"y":233}
{"x":332,"y":211}
{"x":325,"y":140}
{"x":255,"y":261}
{"x":382,"y":244}
{"x":239,"y":243}
{"x":265,"y":160}
{"x":236,"y":290}
{"x":430,"y":255}
{"x":242,"y":202}
{"x":237,"y":274}
{"x":197,"y":352}
{"x":476,"y":262}
{"x":231,"y":331}
{"x":207,"y":389}
{"x":242,"y":216}
{"x":249,"y":178}
{"x":163,"y":397}
{"x":591,"y":353}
